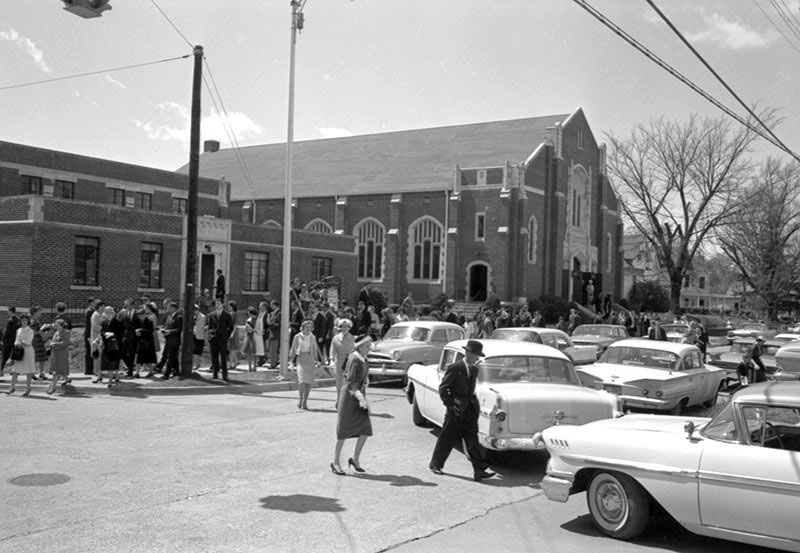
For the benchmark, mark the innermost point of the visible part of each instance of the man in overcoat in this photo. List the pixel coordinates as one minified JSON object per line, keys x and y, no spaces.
{"x":457,"y":391}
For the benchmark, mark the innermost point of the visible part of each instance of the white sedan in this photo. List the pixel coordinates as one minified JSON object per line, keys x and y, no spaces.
{"x":736,"y":476}
{"x":522,"y":389}
{"x":656,"y":375}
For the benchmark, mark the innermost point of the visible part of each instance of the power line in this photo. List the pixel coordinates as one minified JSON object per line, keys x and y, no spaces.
{"x":787,"y":19}
{"x":674,"y":72}
{"x":719,"y":78}
{"x":229,"y":131}
{"x":94,"y":72}
{"x":173,"y":24}
{"x":789,"y":40}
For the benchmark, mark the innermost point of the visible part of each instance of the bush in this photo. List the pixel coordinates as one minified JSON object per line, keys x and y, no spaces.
{"x":551,"y":307}
{"x":439,"y":301}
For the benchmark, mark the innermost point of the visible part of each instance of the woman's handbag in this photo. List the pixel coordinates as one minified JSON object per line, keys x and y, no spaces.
{"x":17,"y":353}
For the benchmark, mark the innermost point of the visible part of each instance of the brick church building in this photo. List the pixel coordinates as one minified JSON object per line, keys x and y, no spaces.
{"x":519,"y":208}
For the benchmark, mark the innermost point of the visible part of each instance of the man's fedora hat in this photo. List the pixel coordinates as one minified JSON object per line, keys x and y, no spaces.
{"x":474,"y":346}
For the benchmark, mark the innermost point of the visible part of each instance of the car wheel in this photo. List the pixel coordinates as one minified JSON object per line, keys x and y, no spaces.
{"x":712,"y":401}
{"x":619,"y":506}
{"x":416,"y":414}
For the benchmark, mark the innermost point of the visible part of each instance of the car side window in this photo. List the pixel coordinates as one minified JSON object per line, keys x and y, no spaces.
{"x":561,"y":343}
{"x":549,"y":341}
{"x":449,"y":356}
{"x":454,"y":334}
{"x":439,"y":335}
{"x":688,"y":362}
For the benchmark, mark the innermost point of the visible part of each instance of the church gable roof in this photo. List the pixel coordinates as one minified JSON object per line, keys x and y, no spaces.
{"x":401,"y":161}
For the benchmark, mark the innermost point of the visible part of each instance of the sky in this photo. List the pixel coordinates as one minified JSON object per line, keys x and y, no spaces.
{"x":370,"y":66}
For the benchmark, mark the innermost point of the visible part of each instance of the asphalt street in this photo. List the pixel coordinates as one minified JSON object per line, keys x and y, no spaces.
{"x":245,"y":470}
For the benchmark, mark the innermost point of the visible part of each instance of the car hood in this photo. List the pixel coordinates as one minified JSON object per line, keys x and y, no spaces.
{"x":625,"y":373}
{"x":388,"y":346}
{"x":534,"y":406}
{"x":641,"y":423}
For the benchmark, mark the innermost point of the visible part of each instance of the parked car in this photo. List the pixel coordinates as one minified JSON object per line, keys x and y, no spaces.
{"x":734,"y":476}
{"x":656,"y":375}
{"x":787,"y":336}
{"x":522,"y":388}
{"x":787,"y":362}
{"x":749,"y":330}
{"x":578,"y":354}
{"x":676,"y":332}
{"x":409,"y":342}
{"x":730,"y":359}
{"x":794,"y":327}
{"x":599,"y":336}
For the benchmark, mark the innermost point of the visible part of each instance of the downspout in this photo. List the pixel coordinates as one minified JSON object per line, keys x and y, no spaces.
{"x":446,"y":238}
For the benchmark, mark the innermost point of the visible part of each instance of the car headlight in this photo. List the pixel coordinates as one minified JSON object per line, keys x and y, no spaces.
{"x":397,"y":355}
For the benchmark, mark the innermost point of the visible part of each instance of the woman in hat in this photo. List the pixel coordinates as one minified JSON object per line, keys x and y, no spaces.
{"x":306,"y":357}
{"x":59,"y":356}
{"x":353,"y":420}
{"x":342,"y":346}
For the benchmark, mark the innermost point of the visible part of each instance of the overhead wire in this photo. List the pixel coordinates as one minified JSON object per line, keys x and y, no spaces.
{"x":777,"y":27}
{"x":722,"y":81}
{"x":223,"y":114}
{"x":172,"y":24}
{"x":228,"y":128}
{"x":674,"y":72}
{"x":787,"y":19}
{"x":66,"y":77}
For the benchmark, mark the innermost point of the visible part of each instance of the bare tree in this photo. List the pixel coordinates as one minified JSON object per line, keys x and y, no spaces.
{"x":677,"y":183}
{"x":763,"y":240}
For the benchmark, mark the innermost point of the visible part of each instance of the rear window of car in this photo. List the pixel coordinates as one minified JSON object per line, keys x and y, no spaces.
{"x":526,"y":369}
{"x":641,"y":357}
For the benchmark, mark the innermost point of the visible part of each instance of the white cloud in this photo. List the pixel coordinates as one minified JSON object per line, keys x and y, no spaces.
{"x":114,"y":81}
{"x":175,"y":125}
{"x":334,"y":132}
{"x":26,"y":44}
{"x":732,"y":35}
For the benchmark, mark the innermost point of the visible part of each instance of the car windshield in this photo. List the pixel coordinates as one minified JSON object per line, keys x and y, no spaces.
{"x":520,"y":368}
{"x":676,"y":328}
{"x":408,"y":333}
{"x":722,"y":426}
{"x":593,"y":330}
{"x":741,"y":347}
{"x":516,"y":335}
{"x":640,"y":357}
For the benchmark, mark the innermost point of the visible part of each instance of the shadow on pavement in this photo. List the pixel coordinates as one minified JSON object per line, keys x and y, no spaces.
{"x":398,"y":480}
{"x":302,"y":503}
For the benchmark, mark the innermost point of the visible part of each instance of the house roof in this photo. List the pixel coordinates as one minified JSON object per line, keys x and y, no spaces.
{"x":400,"y":161}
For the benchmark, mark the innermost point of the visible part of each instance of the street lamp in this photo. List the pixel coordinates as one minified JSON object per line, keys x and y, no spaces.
{"x":86,"y":9}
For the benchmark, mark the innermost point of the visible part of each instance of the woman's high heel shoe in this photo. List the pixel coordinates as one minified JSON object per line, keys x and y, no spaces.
{"x":336,"y":469}
{"x":351,"y":462}
{"x":11,"y":390}
{"x":26,"y":393}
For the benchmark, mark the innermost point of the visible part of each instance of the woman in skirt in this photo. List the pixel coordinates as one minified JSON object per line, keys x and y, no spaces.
{"x":353,"y":420}
{"x":306,"y":356}
{"x":39,"y":349}
{"x":146,"y":332}
{"x":26,"y":365}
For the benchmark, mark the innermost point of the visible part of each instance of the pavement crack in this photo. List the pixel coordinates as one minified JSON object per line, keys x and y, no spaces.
{"x":460,"y":523}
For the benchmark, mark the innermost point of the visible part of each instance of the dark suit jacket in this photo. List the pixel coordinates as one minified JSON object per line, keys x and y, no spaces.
{"x":10,"y":333}
{"x":219,"y":327}
{"x":662,"y":334}
{"x":173,"y":327}
{"x":457,"y":389}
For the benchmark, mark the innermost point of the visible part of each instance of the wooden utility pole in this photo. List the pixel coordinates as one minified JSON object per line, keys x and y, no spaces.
{"x":187,"y":340}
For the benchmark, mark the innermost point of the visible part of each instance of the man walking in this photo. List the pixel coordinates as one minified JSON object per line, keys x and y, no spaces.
{"x":220,"y":326}
{"x":457,"y":391}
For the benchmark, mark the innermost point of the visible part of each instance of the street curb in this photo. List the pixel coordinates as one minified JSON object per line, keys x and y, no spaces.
{"x":134,"y":389}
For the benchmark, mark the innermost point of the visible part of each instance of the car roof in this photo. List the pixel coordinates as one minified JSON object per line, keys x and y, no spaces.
{"x":496,"y":348}
{"x":672,"y":347}
{"x":428,"y":324}
{"x":532,"y":329}
{"x":783,"y":393}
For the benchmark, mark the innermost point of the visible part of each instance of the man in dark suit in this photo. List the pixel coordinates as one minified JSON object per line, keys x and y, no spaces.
{"x":127,"y":316}
{"x":173,"y":327}
{"x":219,"y":288}
{"x":9,"y":335}
{"x":220,"y":326}
{"x":457,"y":391}
{"x":87,"y":330}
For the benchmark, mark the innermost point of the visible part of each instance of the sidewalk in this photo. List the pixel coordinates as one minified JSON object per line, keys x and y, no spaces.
{"x":201,"y":382}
